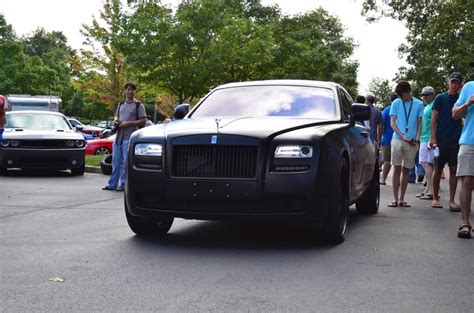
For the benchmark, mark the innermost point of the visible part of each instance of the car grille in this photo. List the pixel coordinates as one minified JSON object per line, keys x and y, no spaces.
{"x":43,"y":144}
{"x":219,"y":161}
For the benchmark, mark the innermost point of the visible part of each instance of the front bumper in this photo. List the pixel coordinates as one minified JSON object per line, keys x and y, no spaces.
{"x":42,"y":158}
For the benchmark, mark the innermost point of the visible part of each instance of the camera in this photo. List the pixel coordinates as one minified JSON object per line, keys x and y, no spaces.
{"x":115,"y":127}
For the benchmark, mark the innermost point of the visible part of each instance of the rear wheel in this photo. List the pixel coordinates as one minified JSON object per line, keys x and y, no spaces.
{"x":3,"y":170}
{"x":102,"y":151}
{"x":78,"y":171}
{"x":335,"y":228}
{"x":369,"y":202}
{"x":148,"y":227}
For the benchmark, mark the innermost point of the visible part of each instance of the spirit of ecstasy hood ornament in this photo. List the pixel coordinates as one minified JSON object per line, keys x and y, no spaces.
{"x":218,"y":120}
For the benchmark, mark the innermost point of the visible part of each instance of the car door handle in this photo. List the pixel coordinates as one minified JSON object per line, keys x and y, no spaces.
{"x":364,"y":134}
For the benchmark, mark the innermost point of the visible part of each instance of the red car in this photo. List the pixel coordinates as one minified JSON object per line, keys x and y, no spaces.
{"x":100,"y":146}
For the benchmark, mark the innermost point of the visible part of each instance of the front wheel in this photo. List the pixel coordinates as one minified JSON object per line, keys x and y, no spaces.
{"x":335,"y":227}
{"x":148,"y":227}
{"x":3,"y":171}
{"x":78,"y":171}
{"x":369,"y":202}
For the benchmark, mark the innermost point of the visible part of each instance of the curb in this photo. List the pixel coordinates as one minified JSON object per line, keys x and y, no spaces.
{"x":93,"y":169}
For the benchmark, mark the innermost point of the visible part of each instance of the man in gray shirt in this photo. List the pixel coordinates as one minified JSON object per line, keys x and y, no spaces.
{"x":375,"y":123}
{"x":129,"y":116}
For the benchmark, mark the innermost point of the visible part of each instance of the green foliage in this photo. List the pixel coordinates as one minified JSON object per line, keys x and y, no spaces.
{"x":440,"y":37}
{"x":6,"y":30}
{"x":382,"y":91}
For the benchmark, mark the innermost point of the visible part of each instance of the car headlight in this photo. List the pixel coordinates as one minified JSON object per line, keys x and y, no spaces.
{"x":5,"y":143}
{"x":14,"y":143}
{"x":149,"y":149}
{"x":80,"y":143}
{"x":70,"y":143}
{"x":294,"y":152}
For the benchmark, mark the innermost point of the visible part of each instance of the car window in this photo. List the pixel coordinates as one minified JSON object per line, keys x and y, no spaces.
{"x":37,"y":121}
{"x":259,"y":101}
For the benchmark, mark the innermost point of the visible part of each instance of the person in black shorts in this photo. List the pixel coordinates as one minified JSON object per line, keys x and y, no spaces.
{"x":445,"y":134}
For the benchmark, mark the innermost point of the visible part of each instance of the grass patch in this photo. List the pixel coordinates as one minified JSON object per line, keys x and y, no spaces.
{"x":94,"y":160}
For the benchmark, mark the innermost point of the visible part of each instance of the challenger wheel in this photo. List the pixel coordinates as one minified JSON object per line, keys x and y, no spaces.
{"x":335,"y":227}
{"x":148,"y":227}
{"x":77,"y":171}
{"x":3,"y":170}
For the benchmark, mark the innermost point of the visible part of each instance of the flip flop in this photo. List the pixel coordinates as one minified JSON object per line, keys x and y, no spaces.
{"x":455,"y":208}
{"x":393,"y":204}
{"x":437,"y":206}
{"x":420,"y":195}
{"x":427,"y":197}
{"x":403,"y":204}
{"x":464,"y":231}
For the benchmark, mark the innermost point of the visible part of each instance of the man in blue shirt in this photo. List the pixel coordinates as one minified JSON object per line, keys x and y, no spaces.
{"x":405,"y":118}
{"x":464,"y":107}
{"x":445,"y":133}
{"x":387,"y":133}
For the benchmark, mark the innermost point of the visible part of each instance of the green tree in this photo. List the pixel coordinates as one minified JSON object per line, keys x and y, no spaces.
{"x":440,"y":37}
{"x":382,"y":90}
{"x":6,"y":30}
{"x":102,"y":67}
{"x":313,"y":46}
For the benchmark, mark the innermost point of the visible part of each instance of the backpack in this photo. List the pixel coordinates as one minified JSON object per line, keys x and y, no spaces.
{"x":137,"y":106}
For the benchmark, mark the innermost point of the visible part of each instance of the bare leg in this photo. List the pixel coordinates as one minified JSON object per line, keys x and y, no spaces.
{"x":396,"y":181}
{"x":467,"y":186}
{"x":429,"y":178}
{"x":404,"y":183}
{"x":436,"y":181}
{"x":453,"y":182}
{"x":385,"y":171}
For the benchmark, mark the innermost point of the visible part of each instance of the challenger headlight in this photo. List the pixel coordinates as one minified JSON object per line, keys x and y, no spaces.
{"x":80,"y":143}
{"x":14,"y":143}
{"x":303,"y":152}
{"x":70,"y":143}
{"x":148,"y":149}
{"x":5,"y":143}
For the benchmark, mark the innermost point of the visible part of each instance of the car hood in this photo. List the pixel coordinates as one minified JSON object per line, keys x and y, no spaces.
{"x":252,"y":127}
{"x":41,"y":134}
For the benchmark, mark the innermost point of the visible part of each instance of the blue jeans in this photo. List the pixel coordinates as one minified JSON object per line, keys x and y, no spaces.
{"x":119,"y":164}
{"x":419,"y":170}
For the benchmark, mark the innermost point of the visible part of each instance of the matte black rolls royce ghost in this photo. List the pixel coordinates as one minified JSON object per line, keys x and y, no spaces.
{"x":288,"y":149}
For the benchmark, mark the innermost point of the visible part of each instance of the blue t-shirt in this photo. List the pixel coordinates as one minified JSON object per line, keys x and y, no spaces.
{"x":448,"y":128}
{"x":407,"y":120}
{"x":387,"y":130}
{"x":467,"y":136}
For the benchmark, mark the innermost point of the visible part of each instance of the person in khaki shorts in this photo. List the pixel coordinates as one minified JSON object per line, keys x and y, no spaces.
{"x":405,"y":118}
{"x":464,"y":107}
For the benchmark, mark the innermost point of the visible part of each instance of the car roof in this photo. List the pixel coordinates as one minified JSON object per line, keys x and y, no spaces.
{"x":282,"y":82}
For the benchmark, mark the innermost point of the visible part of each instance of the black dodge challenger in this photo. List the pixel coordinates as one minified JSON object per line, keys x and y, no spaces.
{"x":289,"y":149}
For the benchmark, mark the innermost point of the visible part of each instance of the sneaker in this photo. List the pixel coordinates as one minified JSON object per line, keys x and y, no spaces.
{"x":120,"y":188}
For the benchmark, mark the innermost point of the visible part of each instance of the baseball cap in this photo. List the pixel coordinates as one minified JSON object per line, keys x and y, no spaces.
{"x":428,"y":90}
{"x":456,"y":76}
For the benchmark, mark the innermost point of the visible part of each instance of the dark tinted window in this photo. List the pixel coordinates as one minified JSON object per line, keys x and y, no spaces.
{"x":258,"y":101}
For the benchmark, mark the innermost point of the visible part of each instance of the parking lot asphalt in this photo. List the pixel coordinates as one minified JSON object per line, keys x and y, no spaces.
{"x":53,"y":225}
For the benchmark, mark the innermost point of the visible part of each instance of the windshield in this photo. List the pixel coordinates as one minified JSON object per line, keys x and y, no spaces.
{"x":37,"y":121}
{"x":259,"y":101}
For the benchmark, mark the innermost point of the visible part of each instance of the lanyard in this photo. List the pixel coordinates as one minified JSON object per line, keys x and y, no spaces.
{"x":407,"y":116}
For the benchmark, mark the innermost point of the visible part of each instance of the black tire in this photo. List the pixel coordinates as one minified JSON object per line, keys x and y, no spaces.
{"x":157,"y":227}
{"x":335,"y":227}
{"x":3,"y":171}
{"x":78,"y":171}
{"x":369,"y":202}
{"x":106,"y":165}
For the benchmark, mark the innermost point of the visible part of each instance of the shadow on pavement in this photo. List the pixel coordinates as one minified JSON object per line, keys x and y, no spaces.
{"x":37,"y":173}
{"x":243,"y":236}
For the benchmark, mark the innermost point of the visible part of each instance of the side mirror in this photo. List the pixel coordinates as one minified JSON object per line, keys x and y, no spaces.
{"x":79,"y":128}
{"x":360,"y":112}
{"x":180,"y":111}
